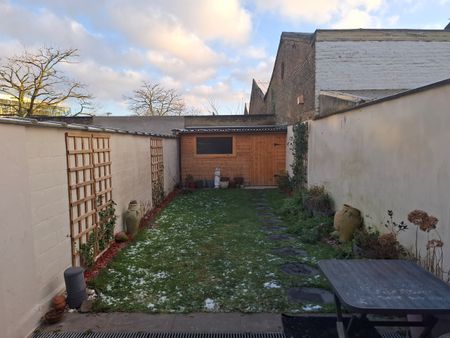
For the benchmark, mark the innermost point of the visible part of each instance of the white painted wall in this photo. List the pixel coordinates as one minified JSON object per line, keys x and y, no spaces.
{"x":34,"y":222}
{"x":289,"y":150}
{"x":171,"y":164}
{"x":131,"y":172}
{"x":34,"y":247}
{"x":354,"y":65}
{"x":393,"y":155}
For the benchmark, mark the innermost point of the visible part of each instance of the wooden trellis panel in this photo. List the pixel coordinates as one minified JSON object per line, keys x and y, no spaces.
{"x":157,"y":169}
{"x":89,"y":185}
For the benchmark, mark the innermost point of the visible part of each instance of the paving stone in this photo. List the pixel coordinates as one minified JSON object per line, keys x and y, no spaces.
{"x":273,"y":228}
{"x":86,"y":306}
{"x":310,"y":295}
{"x":290,"y":251}
{"x":298,"y":269}
{"x":267,"y":222}
{"x":276,"y":221}
{"x":279,"y":237}
{"x":267,"y":215}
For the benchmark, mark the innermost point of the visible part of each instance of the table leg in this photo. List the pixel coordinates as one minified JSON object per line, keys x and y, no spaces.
{"x":342,"y":332}
{"x":430,"y":322}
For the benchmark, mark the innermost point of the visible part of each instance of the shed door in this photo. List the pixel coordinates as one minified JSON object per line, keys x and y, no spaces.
{"x":269,"y":158}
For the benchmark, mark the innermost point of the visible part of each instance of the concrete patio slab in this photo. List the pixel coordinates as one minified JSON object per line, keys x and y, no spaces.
{"x":141,"y":322}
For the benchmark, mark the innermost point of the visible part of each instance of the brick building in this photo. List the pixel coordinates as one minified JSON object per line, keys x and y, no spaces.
{"x":315,"y":73}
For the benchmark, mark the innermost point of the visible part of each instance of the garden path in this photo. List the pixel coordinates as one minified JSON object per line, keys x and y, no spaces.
{"x":272,"y":225}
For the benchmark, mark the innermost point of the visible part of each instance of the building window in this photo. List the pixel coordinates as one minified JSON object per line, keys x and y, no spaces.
{"x":214,"y":145}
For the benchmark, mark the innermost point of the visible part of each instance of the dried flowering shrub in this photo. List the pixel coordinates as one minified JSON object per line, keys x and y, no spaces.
{"x":424,"y":221}
{"x":434,"y":256}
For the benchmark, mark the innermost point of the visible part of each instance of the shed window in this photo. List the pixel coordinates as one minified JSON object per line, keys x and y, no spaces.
{"x":214,"y":145}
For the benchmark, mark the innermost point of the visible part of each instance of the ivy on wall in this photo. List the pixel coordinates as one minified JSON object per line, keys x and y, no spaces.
{"x":300,"y":152}
{"x":101,"y":237}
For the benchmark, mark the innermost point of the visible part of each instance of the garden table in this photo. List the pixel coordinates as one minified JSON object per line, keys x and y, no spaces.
{"x":388,"y":288}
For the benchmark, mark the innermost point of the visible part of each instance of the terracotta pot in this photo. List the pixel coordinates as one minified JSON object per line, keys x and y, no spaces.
{"x":346,"y":221}
{"x":53,"y":316}
{"x":59,"y":302}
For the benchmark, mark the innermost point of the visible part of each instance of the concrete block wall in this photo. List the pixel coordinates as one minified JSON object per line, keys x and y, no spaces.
{"x":35,"y":242}
{"x":393,"y":155}
{"x":47,"y":177}
{"x":131,"y":172}
{"x":34,"y":246}
{"x":353,"y":65}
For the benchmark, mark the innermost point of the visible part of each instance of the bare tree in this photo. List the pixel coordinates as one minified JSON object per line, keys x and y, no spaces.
{"x":38,"y":86}
{"x":154,"y":100}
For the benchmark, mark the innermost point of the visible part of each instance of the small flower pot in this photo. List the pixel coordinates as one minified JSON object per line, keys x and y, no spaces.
{"x":59,"y":302}
{"x":53,"y":316}
{"x":224,"y":184}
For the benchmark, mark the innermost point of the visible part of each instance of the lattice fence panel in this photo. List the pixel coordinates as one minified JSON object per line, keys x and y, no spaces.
{"x":89,"y":186}
{"x":157,"y":170}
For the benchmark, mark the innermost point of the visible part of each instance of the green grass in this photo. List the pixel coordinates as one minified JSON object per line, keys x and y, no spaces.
{"x":207,"y":248}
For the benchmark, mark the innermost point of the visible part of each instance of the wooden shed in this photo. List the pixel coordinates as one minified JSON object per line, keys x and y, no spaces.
{"x":258,"y":154}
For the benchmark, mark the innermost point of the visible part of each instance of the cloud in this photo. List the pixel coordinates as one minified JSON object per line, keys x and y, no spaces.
{"x":260,"y":72}
{"x":176,"y":67}
{"x":319,"y":11}
{"x":155,"y":30}
{"x":222,"y":95}
{"x":356,"y":18}
{"x":104,"y":82}
{"x":254,"y":52}
{"x":225,"y":20}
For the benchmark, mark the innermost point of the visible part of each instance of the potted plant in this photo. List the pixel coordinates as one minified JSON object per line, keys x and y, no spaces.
{"x":189,"y":182}
{"x":239,"y":181}
{"x":232,"y":184}
{"x":224,"y":182}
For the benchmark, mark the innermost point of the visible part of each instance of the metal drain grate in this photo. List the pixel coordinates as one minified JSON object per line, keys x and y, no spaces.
{"x":392,"y":335}
{"x":88,"y":334}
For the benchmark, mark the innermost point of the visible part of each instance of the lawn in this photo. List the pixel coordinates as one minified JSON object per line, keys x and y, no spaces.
{"x":206,"y":252}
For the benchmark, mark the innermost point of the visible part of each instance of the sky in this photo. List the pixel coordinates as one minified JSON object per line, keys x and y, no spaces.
{"x":207,"y":50}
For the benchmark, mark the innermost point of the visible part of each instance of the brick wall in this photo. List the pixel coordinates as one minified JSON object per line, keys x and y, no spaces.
{"x":292,"y":80}
{"x":257,"y":104}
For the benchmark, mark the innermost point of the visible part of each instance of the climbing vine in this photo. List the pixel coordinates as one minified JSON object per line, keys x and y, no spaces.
{"x":158,"y":191}
{"x":300,"y":150}
{"x":100,"y":238}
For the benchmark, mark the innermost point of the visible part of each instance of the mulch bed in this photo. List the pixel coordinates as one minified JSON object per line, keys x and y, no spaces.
{"x":115,"y":247}
{"x":322,"y":327}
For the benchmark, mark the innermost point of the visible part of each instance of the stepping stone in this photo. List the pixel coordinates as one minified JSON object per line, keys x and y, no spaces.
{"x":273,"y":228}
{"x":290,"y":251}
{"x":266,"y":214}
{"x":263,"y":208}
{"x":279,"y":237}
{"x":310,"y":295}
{"x":298,"y":269}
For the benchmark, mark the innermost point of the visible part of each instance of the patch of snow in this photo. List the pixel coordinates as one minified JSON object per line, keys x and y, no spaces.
{"x":210,"y":304}
{"x":161,"y":275}
{"x":271,"y":285}
{"x":310,"y":307}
